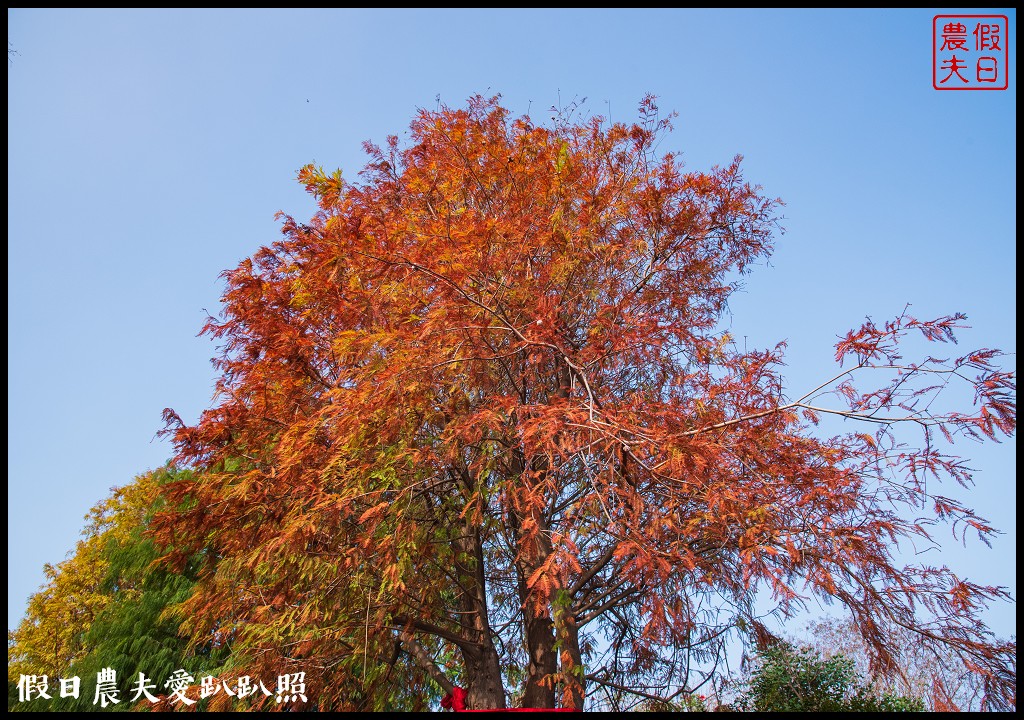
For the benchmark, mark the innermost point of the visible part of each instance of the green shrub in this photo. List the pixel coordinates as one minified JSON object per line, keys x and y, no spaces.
{"x":789,"y":680}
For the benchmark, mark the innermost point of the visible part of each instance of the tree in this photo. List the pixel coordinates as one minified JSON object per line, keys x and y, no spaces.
{"x":481,"y":416}
{"x":107,"y":606}
{"x":789,"y":680}
{"x":929,"y":672}
{"x":51,"y":637}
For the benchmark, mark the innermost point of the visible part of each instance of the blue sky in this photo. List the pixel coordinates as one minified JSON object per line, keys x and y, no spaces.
{"x":149,"y":150}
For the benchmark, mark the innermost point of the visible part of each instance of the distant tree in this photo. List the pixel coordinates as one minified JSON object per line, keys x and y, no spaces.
{"x":108,"y":606}
{"x":786,"y":679}
{"x":481,"y":409}
{"x":930,"y":672}
{"x":51,"y":637}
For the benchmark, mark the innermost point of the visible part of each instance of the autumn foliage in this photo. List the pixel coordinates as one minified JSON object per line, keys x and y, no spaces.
{"x":478,"y":425}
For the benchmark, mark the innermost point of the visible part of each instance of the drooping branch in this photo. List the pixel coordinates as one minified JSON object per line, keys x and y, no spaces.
{"x":423,"y":659}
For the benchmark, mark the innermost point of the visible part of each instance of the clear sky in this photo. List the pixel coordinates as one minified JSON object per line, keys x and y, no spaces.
{"x":149,"y":150}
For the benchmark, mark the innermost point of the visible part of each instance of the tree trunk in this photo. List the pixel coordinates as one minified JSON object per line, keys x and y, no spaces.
{"x":484,"y":687}
{"x":542,"y":665}
{"x":571,"y":658}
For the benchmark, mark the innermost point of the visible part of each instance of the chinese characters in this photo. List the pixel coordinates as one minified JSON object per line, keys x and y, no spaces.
{"x":290,"y":688}
{"x":969,"y":52}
